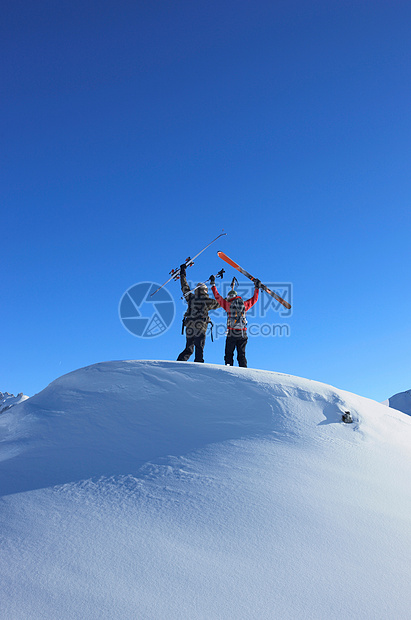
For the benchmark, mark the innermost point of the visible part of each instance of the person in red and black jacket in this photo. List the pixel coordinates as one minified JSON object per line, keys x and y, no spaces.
{"x":236,"y":322}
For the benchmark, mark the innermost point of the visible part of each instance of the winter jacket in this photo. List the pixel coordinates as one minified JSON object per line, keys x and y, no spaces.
{"x":235,"y":325}
{"x":199,"y":304}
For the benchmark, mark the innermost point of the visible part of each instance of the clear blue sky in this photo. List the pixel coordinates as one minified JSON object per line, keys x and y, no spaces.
{"x":133,"y":132}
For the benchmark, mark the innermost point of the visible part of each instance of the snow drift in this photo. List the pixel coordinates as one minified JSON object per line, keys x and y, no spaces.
{"x":162,"y":490}
{"x":400,"y":401}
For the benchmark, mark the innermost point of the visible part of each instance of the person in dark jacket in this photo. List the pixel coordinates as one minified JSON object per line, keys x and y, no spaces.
{"x":236,"y":322}
{"x":196,"y":318}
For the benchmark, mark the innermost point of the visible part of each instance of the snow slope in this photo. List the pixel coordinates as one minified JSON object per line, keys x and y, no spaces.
{"x":172,"y":490}
{"x":400,"y":401}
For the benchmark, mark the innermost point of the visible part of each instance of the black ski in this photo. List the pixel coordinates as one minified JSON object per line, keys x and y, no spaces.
{"x":175,"y":273}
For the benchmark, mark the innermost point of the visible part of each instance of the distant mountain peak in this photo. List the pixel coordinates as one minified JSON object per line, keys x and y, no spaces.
{"x":8,"y":400}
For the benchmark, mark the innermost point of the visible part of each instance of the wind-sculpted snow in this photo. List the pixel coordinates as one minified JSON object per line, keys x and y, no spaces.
{"x":400,"y":401}
{"x":164,"y":490}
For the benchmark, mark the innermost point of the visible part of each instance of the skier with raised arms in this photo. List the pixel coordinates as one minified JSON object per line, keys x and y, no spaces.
{"x":196,"y":318}
{"x":236,"y":309}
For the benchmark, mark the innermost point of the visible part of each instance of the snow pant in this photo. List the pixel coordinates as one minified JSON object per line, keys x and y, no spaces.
{"x":196,"y":342}
{"x":233,"y":342}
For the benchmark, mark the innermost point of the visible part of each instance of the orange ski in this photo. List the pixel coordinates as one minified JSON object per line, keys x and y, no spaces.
{"x":265,"y":288}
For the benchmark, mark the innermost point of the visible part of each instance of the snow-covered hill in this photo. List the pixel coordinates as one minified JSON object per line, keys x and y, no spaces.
{"x":400,"y":401}
{"x":8,"y":400}
{"x":171,"y":490}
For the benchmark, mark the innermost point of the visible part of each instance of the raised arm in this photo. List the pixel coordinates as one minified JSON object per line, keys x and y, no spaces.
{"x":183,"y":280}
{"x":249,"y":303}
{"x":223,"y":302}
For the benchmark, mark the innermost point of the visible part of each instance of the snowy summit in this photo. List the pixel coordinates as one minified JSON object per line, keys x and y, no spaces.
{"x":162,"y":490}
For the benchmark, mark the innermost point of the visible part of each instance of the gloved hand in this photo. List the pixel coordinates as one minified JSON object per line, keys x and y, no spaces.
{"x":257,"y":283}
{"x":183,"y":269}
{"x":212,"y":280}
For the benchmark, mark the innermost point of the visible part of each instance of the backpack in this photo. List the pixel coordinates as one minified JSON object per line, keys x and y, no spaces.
{"x":236,"y":315}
